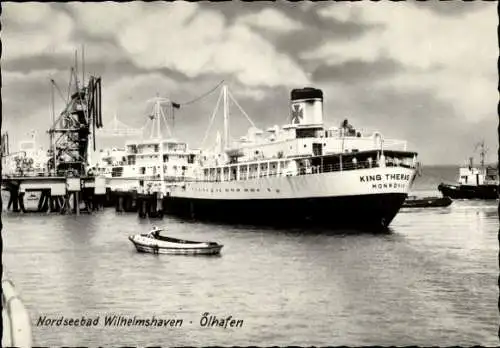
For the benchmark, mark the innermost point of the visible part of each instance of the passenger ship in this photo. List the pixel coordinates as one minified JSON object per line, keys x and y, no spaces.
{"x":300,"y":173}
{"x":146,"y":164}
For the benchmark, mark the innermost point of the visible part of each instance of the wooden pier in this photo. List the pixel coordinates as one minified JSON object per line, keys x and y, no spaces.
{"x":64,"y":195}
{"x":145,"y":204}
{"x":76,"y":195}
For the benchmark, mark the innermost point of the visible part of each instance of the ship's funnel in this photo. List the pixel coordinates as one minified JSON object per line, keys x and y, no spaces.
{"x":306,"y":106}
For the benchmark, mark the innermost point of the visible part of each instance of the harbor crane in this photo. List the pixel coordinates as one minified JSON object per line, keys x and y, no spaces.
{"x":72,"y":133}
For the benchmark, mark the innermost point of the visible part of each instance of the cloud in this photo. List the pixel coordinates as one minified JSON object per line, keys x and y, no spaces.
{"x":259,"y":65}
{"x":127,"y":95}
{"x":454,"y":56}
{"x":429,"y":124}
{"x":27,"y":16}
{"x":27,"y":102}
{"x":35,"y":29}
{"x":452,"y":8}
{"x":357,"y":70}
{"x":104,"y":20}
{"x":181,"y":37}
{"x":412,"y":36}
{"x":270,"y":19}
{"x":16,"y":86}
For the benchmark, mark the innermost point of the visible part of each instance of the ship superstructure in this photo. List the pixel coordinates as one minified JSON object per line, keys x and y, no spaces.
{"x":147,"y":163}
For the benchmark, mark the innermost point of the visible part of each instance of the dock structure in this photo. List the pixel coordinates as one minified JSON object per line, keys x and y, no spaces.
{"x":144,"y":204}
{"x":16,"y":319}
{"x":60,"y":178}
{"x":76,"y":195}
{"x":64,"y":195}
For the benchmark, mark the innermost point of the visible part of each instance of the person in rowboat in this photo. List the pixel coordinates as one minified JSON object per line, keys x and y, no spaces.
{"x":155,"y":232}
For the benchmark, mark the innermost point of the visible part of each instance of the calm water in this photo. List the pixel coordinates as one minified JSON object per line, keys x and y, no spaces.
{"x":431,"y":281}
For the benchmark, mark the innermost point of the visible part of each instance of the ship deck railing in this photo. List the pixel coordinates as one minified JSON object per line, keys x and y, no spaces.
{"x":26,"y":173}
{"x":319,"y":169}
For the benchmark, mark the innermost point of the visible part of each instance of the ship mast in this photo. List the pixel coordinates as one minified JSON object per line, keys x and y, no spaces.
{"x":482,"y":153}
{"x":226,"y":117}
{"x":224,"y":95}
{"x":157,"y":115}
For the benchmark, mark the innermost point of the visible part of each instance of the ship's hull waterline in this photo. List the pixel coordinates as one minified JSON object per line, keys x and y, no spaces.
{"x":367,"y":199}
{"x":373,"y":212}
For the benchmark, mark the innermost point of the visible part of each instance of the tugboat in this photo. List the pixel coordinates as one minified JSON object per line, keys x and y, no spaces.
{"x":473,"y":182}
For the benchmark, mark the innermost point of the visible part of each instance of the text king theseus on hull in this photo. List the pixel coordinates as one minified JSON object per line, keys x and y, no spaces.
{"x":380,"y":177}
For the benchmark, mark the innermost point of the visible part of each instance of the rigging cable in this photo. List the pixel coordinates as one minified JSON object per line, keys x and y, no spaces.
{"x":211,"y":120}
{"x":202,"y":96}
{"x":241,"y":109}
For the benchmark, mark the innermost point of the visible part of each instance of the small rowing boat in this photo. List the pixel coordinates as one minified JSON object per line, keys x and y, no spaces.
{"x":154,"y":243}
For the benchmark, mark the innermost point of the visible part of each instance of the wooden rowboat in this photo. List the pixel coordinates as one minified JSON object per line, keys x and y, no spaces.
{"x":155,"y":243}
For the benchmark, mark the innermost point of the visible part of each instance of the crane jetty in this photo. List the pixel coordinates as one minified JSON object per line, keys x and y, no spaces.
{"x":63,"y":179}
{"x":59,"y":178}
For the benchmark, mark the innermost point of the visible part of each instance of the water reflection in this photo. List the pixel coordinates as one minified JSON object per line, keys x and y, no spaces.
{"x":291,"y":286}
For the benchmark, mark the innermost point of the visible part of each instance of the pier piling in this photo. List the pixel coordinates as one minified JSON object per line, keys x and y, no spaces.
{"x":41,"y":200}
{"x":76,"y":197}
{"x":119,"y":204}
{"x":149,"y":205}
{"x":20,"y":199}
{"x":143,"y":207}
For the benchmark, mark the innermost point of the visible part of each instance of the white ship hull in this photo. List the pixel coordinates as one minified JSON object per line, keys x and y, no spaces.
{"x":368,"y":197}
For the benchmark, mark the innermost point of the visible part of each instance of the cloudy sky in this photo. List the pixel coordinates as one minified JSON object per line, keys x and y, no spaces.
{"x":416,"y":71}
